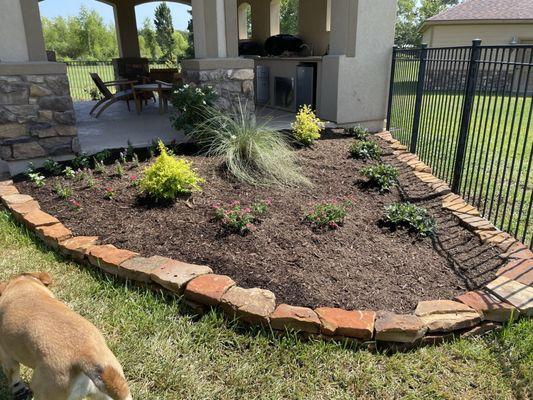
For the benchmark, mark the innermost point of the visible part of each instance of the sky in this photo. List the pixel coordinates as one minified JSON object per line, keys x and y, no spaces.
{"x":67,"y":8}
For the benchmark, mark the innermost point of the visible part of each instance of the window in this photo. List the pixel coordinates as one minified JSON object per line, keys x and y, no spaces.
{"x":245,"y":21}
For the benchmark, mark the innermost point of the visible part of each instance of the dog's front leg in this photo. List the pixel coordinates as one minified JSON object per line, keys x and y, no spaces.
{"x":19,"y":389}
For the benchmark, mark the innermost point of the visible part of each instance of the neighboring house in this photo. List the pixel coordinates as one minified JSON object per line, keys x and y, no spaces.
{"x":495,"y":22}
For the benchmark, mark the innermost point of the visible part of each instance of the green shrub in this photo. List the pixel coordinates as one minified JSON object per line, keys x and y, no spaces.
{"x":329,"y":215}
{"x":411,"y":217}
{"x":255,"y":154}
{"x":235,"y":218}
{"x":307,"y":126}
{"x":365,"y":149}
{"x":191,"y":104}
{"x":382,"y":176}
{"x":69,"y":173}
{"x":52,"y":167}
{"x":358,"y":133}
{"x":63,"y":192}
{"x":81,"y":161}
{"x":169,"y":177}
{"x":37,"y":179}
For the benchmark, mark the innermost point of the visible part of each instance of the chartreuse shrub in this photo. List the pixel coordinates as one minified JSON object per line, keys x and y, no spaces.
{"x":382,"y":176}
{"x":252,"y":153}
{"x":328,"y":215}
{"x":307,"y":126}
{"x":168,"y":177}
{"x":365,"y":149}
{"x":411,"y":217}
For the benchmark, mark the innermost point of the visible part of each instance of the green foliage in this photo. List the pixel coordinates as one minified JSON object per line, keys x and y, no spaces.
{"x":69,"y":173}
{"x":150,"y":48}
{"x":365,"y":149}
{"x":329,"y":215}
{"x":192,"y":105}
{"x":99,"y":167}
{"x":410,"y":216}
{"x":189,"y":51}
{"x":119,"y":169}
{"x":81,"y":161}
{"x":255,"y":154}
{"x":307,"y":126}
{"x":52,"y":167}
{"x":169,"y":177}
{"x":289,"y":17}
{"x":109,"y":193}
{"x":102,"y":155}
{"x":358,"y":133}
{"x":164,"y":31}
{"x":383,"y":176}
{"x":37,"y":179}
{"x":235,"y":218}
{"x":63,"y":192}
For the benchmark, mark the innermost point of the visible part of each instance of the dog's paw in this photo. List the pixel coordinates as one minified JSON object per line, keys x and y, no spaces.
{"x":24,"y":393}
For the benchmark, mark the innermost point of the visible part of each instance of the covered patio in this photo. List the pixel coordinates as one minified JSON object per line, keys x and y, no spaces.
{"x":341,"y":70}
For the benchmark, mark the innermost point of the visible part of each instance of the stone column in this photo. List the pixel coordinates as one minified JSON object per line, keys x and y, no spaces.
{"x":126,"y":27}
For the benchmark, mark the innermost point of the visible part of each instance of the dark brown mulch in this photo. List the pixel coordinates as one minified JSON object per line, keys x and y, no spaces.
{"x":361,"y":266}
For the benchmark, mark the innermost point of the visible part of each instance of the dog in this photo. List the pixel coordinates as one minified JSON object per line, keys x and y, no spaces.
{"x":68,"y":355}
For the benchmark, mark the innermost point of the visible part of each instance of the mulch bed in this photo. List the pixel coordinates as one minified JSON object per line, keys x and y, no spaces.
{"x":363,"y":265}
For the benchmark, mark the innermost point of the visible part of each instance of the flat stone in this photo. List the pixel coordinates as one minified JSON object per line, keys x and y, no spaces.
{"x":51,"y":235}
{"x":492,"y":308}
{"x":446,"y":315}
{"x":251,"y":305}
{"x":174,"y":275}
{"x":242,"y":74}
{"x":517,"y":251}
{"x":208,"y":289}
{"x":392,"y":327}
{"x":481,"y":329}
{"x":37,"y":218}
{"x":513,"y":292}
{"x":6,"y":182}
{"x":10,"y":131}
{"x":108,"y":257}
{"x":398,"y":146}
{"x":8,"y":189}
{"x":56,"y":103}
{"x":519,"y":270}
{"x":298,"y":318}
{"x":77,"y":247}
{"x":25,"y":151}
{"x":10,"y":200}
{"x":339,"y":322}
{"x":491,"y":236}
{"x":473,"y":222}
{"x":139,"y":268}
{"x":19,"y":210}
{"x":39,"y":91}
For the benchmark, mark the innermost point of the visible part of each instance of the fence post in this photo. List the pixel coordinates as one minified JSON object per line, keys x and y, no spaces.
{"x":419,"y":94}
{"x":391,"y":86}
{"x":470,"y":90}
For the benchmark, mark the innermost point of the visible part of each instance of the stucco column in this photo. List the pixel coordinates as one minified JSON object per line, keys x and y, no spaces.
{"x":344,"y":21}
{"x":126,"y":27}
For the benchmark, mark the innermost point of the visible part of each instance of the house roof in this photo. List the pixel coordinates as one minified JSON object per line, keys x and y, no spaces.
{"x":479,"y":10}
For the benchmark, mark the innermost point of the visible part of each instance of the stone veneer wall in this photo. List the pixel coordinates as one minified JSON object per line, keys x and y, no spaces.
{"x":37,"y":117}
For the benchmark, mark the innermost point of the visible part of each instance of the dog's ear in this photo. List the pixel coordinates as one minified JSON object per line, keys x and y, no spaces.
{"x":3,"y":286}
{"x":42,"y":276}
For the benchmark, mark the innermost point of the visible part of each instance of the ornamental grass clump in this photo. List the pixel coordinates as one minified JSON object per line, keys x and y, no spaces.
{"x":365,"y":149}
{"x":253,"y":153}
{"x":307,"y":126}
{"x":169,"y":177}
{"x":328,"y":215}
{"x":235,"y":218}
{"x":382,"y":176}
{"x":408,"y":215}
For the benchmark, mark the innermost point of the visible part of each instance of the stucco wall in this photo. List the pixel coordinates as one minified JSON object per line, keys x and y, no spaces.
{"x":13,"y":47}
{"x":490,"y":34}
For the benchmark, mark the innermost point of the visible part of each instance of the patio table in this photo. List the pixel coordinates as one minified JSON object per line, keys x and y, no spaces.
{"x":163,"y":93}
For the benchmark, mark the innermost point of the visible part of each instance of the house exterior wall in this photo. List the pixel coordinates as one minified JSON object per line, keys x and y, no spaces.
{"x":446,"y":35}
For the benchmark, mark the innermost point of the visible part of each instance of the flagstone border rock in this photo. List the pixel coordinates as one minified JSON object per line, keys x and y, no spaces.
{"x":504,"y":299}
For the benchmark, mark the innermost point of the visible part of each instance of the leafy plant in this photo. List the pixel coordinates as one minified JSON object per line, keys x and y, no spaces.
{"x":192,"y":103}
{"x":63,"y":192}
{"x":307,"y":126}
{"x":75,"y":204}
{"x":119,"y":169}
{"x":328,"y":215}
{"x":99,"y":167}
{"x":37,"y":179}
{"x":358,"y":132}
{"x":91,"y":182}
{"x":255,"y":154}
{"x":102,"y":156}
{"x":235,"y":218}
{"x":383,"y":176}
{"x":52,"y":167}
{"x":365,"y":149}
{"x":109,"y":194}
{"x":410,"y":216}
{"x":134,"y":181}
{"x":135,"y":160}
{"x":81,"y":161}
{"x":169,"y":177}
{"x":30,"y":168}
{"x":69,"y":173}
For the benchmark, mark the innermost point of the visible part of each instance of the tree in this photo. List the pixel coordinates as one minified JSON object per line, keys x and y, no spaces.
{"x":289,"y":17}
{"x":165,"y":31}
{"x":149,"y":46}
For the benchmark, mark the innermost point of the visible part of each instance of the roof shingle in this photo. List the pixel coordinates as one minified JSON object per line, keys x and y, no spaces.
{"x":487,"y":10}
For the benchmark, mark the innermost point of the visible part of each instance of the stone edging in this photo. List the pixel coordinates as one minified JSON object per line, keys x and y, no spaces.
{"x":507,"y":297}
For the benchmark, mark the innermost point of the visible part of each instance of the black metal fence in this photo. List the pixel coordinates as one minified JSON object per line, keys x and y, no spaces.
{"x":81,"y":85}
{"x":467,"y":112}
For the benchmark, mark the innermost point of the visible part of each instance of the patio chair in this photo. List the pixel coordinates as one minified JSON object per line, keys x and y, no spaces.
{"x":110,"y":98}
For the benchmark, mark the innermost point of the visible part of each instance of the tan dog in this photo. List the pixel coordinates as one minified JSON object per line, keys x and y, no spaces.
{"x":68,"y":354}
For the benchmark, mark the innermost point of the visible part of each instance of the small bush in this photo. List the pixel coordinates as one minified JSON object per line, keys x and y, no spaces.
{"x":99,"y":167}
{"x":63,"y":192}
{"x":329,"y":215}
{"x":255,"y":154}
{"x":191,"y":104}
{"x":365,"y":149}
{"x":382,"y":176}
{"x":168,"y":177}
{"x":69,"y":173}
{"x":52,"y":167}
{"x":102,"y":156}
{"x":81,"y":161}
{"x":235,"y":218}
{"x":411,"y":217}
{"x":37,"y":179}
{"x":307,"y":126}
{"x":358,"y":133}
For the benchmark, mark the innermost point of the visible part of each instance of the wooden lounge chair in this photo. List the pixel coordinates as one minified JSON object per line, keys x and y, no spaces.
{"x":110,"y":98}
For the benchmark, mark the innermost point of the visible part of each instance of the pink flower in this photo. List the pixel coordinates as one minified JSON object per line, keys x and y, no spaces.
{"x":247,"y":210}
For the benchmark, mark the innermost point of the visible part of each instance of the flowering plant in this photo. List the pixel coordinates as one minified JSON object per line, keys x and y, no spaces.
{"x":191,"y":103}
{"x":307,"y":126}
{"x":36,"y":178}
{"x":75,"y":204}
{"x":236,"y":218}
{"x":109,"y":193}
{"x":134,"y":181}
{"x":328,"y":215}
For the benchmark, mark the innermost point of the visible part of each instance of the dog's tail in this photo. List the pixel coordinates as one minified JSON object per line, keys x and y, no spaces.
{"x":108,"y":380}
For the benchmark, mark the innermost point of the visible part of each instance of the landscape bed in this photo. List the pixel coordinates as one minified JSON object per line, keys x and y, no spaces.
{"x":362,"y":265}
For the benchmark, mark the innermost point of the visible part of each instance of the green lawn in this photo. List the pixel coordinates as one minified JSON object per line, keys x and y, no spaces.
{"x":168,"y":354}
